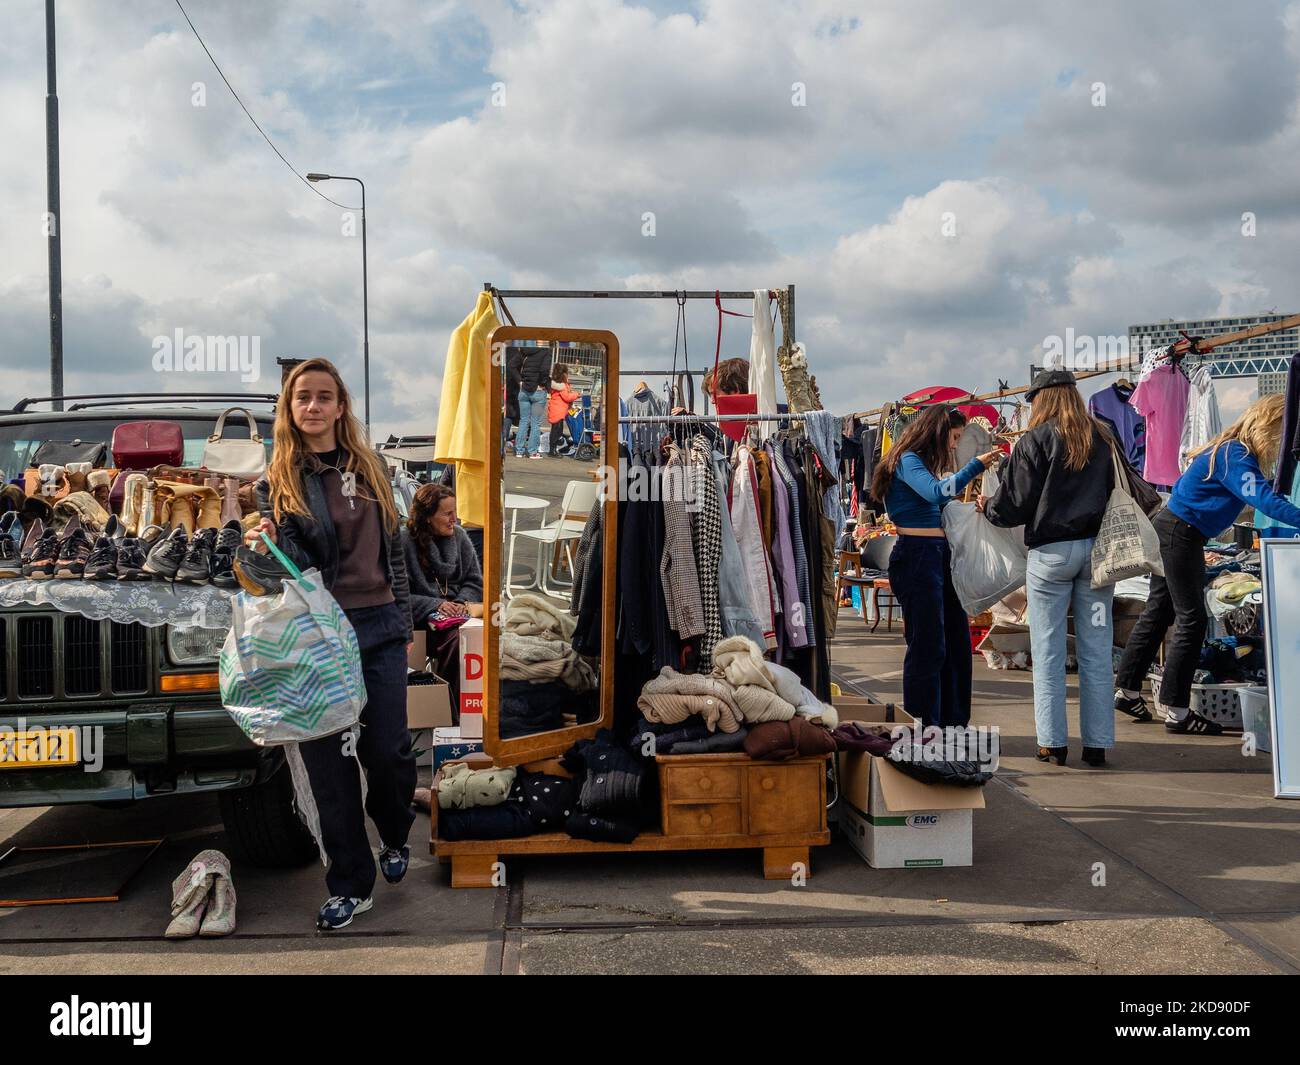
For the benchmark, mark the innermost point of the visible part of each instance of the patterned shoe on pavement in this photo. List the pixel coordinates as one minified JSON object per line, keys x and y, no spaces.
{"x":338,"y":912}
{"x":393,"y":863}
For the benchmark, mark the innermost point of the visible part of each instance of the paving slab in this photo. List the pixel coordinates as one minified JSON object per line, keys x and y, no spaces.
{"x":362,"y":955}
{"x":271,"y":901}
{"x":1148,"y":946}
{"x":1028,"y":864}
{"x":1278,"y":932}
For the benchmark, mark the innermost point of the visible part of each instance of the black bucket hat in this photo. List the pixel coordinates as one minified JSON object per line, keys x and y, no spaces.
{"x":1049,"y":379}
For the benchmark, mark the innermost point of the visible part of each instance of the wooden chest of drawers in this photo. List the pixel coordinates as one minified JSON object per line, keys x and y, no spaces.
{"x":707,"y":802}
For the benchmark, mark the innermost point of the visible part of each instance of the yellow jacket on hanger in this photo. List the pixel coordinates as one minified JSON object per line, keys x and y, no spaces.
{"x":462,"y":412}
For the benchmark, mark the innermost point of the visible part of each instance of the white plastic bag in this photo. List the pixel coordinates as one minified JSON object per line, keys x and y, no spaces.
{"x":290,"y":668}
{"x":988,"y":563}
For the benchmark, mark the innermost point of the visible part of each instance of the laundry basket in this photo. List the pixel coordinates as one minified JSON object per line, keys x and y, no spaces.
{"x":1255,"y":718}
{"x":1220,"y":703}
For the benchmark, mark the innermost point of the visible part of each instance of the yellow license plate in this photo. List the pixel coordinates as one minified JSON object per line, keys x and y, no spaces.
{"x":38,"y":747}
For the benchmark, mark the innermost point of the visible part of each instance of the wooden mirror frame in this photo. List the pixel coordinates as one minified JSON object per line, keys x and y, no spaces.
{"x":544,"y":744}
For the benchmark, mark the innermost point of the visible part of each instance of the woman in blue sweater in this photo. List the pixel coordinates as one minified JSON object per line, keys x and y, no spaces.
{"x":1225,"y":475}
{"x":910,"y":481}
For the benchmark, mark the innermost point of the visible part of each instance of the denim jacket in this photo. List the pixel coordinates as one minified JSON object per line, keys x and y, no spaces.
{"x":313,"y":542}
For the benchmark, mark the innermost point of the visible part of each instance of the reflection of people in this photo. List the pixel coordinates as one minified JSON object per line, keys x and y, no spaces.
{"x":1225,"y":474}
{"x":1056,"y":484}
{"x":557,"y":408}
{"x":446,"y":581}
{"x":937,"y":665}
{"x":327,"y":503}
{"x":730,"y":379}
{"x":533,"y":375}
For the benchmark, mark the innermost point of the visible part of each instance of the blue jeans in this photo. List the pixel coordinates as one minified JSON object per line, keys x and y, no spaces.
{"x":937,"y":666}
{"x":1059,"y":578}
{"x":532,"y":413}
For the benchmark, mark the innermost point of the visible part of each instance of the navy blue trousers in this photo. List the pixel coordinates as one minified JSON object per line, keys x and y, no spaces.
{"x":937,"y":666}
{"x":385,"y":753}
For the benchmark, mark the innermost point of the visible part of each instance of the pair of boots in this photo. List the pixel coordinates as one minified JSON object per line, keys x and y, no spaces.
{"x":203,"y":898}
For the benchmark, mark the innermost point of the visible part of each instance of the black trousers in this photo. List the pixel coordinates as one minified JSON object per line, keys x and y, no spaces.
{"x":937,"y":667}
{"x":1177,"y":599}
{"x":557,"y":435}
{"x":385,"y":753}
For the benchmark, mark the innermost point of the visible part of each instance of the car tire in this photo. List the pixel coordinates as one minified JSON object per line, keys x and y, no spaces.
{"x":263,"y":824}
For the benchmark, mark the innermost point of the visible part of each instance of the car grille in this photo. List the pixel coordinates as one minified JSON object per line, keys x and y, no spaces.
{"x":48,"y":656}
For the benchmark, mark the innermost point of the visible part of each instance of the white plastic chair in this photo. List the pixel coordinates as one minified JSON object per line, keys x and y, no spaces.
{"x":579,"y":498}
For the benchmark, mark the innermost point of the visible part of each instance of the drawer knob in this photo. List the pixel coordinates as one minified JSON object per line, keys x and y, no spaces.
{"x":706,"y":820}
{"x":705,"y":783}
{"x":768,"y":783}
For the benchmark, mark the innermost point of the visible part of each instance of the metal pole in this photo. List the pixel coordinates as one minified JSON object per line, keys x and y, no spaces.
{"x":365,"y":302}
{"x":53,"y":219}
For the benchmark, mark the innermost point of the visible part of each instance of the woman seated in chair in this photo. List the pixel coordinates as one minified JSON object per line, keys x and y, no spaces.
{"x":445,"y":577}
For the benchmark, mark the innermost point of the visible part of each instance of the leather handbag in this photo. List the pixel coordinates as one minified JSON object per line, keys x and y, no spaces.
{"x":238,"y":458}
{"x":62,"y":452}
{"x":143,"y":445}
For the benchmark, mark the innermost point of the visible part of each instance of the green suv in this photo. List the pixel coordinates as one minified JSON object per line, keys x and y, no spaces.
{"x":131,"y":685}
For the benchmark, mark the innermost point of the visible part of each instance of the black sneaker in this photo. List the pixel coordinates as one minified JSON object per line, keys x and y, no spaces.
{"x":130,"y":560}
{"x":11,"y":554}
{"x":102,"y":563}
{"x":221,"y":570}
{"x":1136,"y":708}
{"x":34,"y":546}
{"x":40,"y":558}
{"x":1194,"y":725}
{"x":74,"y":551}
{"x":194,"y":568}
{"x":166,"y":555}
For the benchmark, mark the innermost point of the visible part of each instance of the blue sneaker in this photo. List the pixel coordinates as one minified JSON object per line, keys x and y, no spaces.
{"x":338,"y":912}
{"x":393,"y":863}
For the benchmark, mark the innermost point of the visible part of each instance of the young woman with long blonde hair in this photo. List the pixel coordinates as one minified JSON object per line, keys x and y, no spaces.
{"x":1056,"y":484}
{"x":326,"y":503}
{"x":1225,"y":475}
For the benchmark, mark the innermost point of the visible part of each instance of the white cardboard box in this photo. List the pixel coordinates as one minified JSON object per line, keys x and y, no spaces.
{"x":450,"y":744}
{"x":471,"y":679}
{"x":896,"y":822}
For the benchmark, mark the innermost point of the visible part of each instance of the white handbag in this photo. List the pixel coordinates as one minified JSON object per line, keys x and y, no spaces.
{"x":238,"y":458}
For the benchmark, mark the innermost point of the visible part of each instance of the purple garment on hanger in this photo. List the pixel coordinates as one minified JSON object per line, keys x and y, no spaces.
{"x":1111,"y":405}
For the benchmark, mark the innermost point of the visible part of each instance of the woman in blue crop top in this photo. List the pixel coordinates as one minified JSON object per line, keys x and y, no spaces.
{"x":937,"y":666}
{"x":1226,"y":475}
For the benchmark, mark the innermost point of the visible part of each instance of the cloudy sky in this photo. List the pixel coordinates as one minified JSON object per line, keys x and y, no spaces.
{"x":522,"y":143}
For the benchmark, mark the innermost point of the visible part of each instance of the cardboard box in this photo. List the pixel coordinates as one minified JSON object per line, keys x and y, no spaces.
{"x":428,"y":702}
{"x":860,"y":708}
{"x":417,"y":657}
{"x":449,"y":744}
{"x":471,"y":679}
{"x":896,"y":822}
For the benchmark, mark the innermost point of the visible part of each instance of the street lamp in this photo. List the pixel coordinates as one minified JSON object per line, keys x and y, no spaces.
{"x":365,"y":289}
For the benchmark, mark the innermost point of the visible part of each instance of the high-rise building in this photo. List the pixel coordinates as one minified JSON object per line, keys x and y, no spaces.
{"x":1270,"y":353}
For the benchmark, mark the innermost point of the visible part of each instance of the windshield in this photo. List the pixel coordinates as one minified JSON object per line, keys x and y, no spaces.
{"x":18,"y":441}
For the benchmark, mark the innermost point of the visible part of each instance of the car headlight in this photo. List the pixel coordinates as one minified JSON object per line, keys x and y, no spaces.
{"x":194,"y":646}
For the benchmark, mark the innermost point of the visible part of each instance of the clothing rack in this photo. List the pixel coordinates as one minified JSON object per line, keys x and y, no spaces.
{"x":710,"y":418}
{"x":1177,"y":349}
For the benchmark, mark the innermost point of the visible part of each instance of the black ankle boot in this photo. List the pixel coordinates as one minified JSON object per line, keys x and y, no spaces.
{"x":1053,"y":754}
{"x":1095,"y":756}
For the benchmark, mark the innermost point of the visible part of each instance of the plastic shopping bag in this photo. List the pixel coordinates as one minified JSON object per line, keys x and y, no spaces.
{"x":290,"y":668}
{"x":988,"y":563}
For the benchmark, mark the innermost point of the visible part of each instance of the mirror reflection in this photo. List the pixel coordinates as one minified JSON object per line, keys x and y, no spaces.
{"x":552,"y":447}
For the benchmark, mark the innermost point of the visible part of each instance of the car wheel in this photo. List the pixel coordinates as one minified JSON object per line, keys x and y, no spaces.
{"x":263,"y":824}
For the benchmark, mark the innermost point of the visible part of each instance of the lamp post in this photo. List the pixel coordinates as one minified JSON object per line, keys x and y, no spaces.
{"x":365,"y":284}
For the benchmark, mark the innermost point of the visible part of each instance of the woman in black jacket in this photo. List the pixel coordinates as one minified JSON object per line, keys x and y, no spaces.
{"x":1056,"y":484}
{"x":534,"y":392}
{"x":327,"y":503}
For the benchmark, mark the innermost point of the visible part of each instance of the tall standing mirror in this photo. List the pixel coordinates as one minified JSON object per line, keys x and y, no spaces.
{"x":549,"y":545}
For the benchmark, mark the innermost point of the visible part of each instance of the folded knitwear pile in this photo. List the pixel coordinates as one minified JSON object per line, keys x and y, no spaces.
{"x":537,"y":645}
{"x":743,"y":689}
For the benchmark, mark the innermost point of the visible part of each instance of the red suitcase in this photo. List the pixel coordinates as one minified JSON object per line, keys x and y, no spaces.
{"x":143,"y":445}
